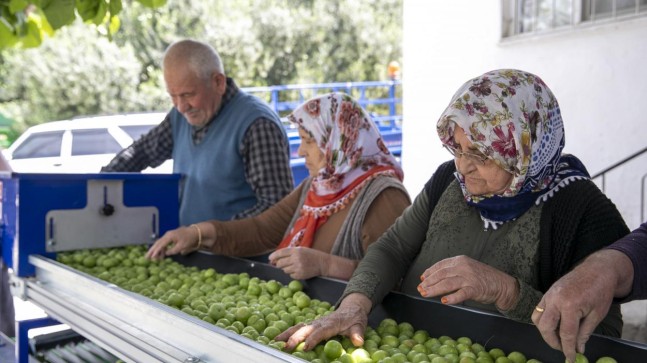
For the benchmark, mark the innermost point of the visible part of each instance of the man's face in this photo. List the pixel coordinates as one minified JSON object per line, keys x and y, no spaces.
{"x":195,"y":98}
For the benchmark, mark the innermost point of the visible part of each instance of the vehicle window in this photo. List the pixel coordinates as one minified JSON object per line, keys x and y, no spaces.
{"x":93,"y":141}
{"x":136,"y":131}
{"x":40,"y":145}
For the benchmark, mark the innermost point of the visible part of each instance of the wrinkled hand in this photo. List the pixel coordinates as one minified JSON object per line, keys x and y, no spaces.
{"x":350,"y":319}
{"x":300,"y":262}
{"x":462,"y":278}
{"x":576,"y":304}
{"x":181,"y":240}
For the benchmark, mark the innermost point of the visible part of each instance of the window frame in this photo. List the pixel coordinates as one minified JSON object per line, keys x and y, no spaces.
{"x":513,"y":16}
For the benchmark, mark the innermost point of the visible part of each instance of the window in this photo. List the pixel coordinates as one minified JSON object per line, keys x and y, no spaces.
{"x":604,"y":9}
{"x":40,"y":145}
{"x":93,"y":141}
{"x":136,"y":131}
{"x":534,"y":16}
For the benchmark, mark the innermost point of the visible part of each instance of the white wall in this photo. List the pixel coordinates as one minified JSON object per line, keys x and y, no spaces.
{"x":597,"y":73}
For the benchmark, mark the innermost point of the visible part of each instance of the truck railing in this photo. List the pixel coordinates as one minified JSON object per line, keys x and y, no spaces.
{"x":383,"y":99}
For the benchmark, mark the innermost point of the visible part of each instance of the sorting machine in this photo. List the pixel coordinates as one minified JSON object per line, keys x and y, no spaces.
{"x":44,"y":214}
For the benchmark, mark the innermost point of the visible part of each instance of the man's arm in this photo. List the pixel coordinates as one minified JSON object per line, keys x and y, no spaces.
{"x":265,"y":152}
{"x":634,"y":245}
{"x":576,"y":303}
{"x":152,"y":149}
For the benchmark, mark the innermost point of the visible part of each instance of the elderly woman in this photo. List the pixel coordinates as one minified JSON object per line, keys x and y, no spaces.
{"x":493,"y":228}
{"x":353,"y":194}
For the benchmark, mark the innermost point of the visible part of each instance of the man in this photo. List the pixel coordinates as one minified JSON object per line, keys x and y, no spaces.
{"x":574,"y":306}
{"x":230,"y":146}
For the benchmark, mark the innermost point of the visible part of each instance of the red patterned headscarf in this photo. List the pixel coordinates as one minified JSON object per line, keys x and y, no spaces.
{"x":354,"y":152}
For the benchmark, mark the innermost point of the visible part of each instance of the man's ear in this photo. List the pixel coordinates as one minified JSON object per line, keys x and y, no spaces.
{"x":220,"y":82}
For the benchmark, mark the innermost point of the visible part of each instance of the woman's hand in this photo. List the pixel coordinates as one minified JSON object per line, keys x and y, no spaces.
{"x":462,"y":278}
{"x":181,"y":240}
{"x":350,"y":319}
{"x":300,"y":262}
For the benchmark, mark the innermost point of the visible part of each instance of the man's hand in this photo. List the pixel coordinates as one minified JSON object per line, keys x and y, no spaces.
{"x":573,"y":307}
{"x":181,"y":240}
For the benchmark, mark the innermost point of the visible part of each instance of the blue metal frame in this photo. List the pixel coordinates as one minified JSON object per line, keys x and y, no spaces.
{"x":313,"y":89}
{"x":22,"y":338}
{"x":27,"y":198}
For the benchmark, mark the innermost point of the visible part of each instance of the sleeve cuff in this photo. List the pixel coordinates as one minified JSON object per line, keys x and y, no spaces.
{"x":364,"y":283}
{"x":528,"y":299}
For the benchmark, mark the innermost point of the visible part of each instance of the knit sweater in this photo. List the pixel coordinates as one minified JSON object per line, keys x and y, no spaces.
{"x":576,"y":221}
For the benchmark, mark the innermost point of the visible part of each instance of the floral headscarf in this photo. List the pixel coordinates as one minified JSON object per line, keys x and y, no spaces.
{"x":354,"y":152}
{"x":513,"y":118}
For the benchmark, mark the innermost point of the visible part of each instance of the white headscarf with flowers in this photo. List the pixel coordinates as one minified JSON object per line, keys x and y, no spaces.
{"x":349,"y":138}
{"x":513,"y":118}
{"x":354,"y":153}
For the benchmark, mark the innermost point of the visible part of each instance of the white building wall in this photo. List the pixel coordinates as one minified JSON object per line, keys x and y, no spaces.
{"x":597,"y":73}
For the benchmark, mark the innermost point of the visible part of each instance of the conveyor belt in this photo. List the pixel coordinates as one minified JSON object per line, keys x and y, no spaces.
{"x":142,"y":330}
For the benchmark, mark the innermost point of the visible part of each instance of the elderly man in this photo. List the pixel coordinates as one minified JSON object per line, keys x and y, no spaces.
{"x":230,"y":146}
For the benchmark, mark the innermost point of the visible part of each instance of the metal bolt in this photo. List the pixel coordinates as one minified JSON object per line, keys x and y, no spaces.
{"x":192,"y":360}
{"x":51,"y":242}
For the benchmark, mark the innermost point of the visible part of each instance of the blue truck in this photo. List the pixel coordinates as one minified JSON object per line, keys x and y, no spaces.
{"x":382,"y":99}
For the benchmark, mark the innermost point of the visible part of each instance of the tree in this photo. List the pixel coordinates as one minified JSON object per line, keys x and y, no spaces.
{"x":81,"y":71}
{"x":26,"y":23}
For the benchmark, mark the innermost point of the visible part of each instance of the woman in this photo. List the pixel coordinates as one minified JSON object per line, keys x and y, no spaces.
{"x":353,"y":194}
{"x":496,"y":226}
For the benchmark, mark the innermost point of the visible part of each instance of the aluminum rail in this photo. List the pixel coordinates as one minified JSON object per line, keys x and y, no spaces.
{"x":133,"y":327}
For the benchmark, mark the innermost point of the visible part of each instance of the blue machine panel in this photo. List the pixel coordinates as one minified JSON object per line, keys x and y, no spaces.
{"x":28,"y":198}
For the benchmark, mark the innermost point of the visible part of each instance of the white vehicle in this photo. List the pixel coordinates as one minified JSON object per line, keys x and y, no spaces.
{"x":81,"y":145}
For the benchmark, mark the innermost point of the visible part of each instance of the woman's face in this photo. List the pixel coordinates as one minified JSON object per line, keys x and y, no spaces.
{"x":315,"y":159}
{"x":480,"y":178}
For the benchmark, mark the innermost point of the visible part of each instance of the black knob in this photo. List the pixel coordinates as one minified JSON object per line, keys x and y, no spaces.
{"x":107,"y":210}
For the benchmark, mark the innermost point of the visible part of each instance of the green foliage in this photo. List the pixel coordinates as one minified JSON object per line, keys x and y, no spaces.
{"x":25,"y":23}
{"x":80,"y":71}
{"x":76,"y":73}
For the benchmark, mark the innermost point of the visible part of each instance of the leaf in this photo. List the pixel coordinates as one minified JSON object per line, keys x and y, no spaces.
{"x":7,"y":36}
{"x":17,"y":5}
{"x":114,"y":8}
{"x":101,"y":13}
{"x":59,"y":13}
{"x":33,"y":38}
{"x":87,"y":9}
{"x":41,"y":21}
{"x":114,"y":25}
{"x":152,"y":3}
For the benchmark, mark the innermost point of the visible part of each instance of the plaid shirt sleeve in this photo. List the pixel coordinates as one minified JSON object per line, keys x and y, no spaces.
{"x":152,"y":149}
{"x":266,"y":155}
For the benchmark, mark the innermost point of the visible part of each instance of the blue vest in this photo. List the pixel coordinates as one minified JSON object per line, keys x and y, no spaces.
{"x":214,"y":184}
